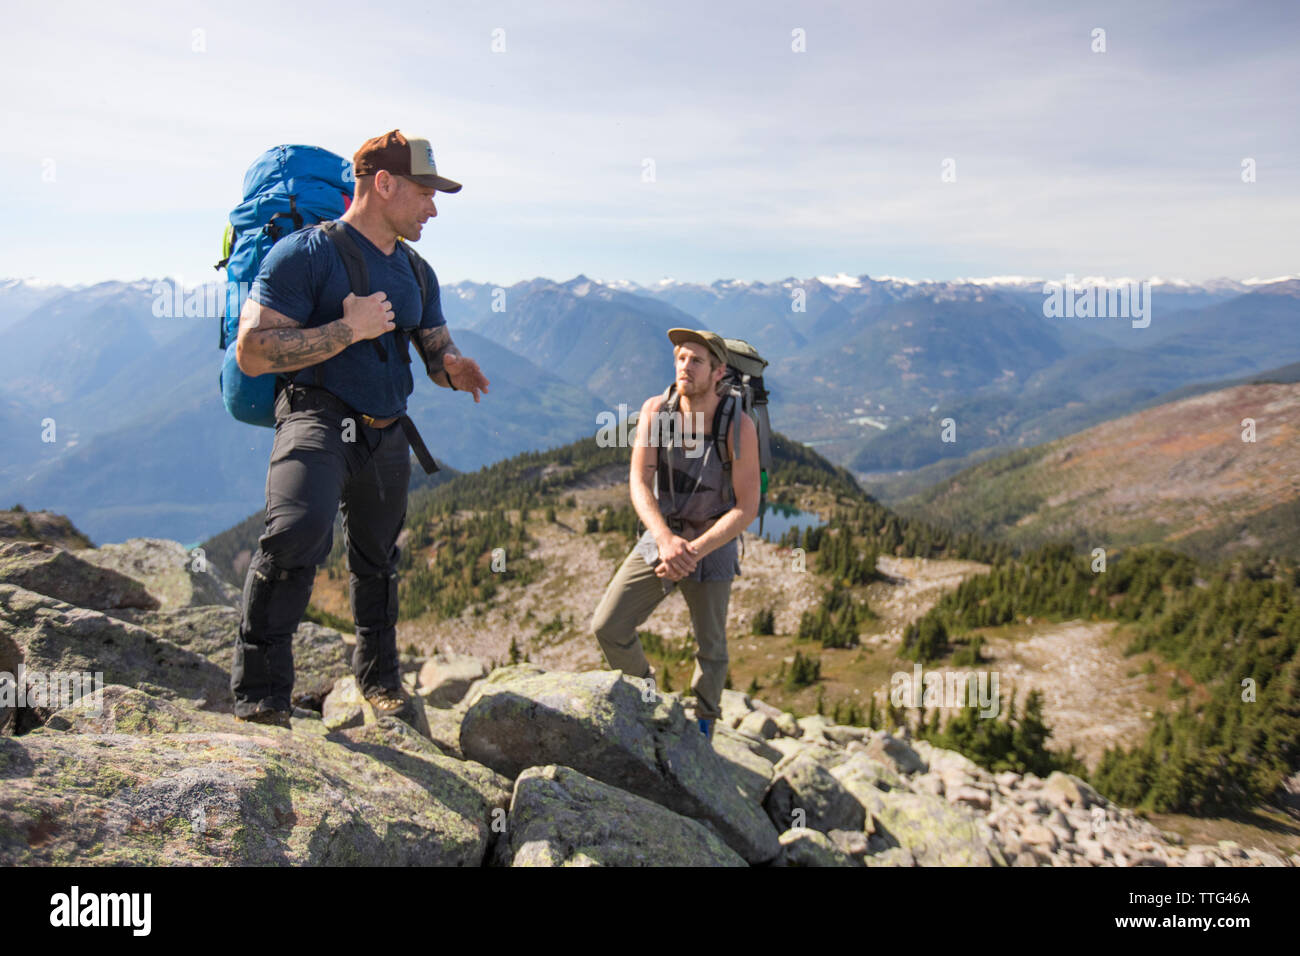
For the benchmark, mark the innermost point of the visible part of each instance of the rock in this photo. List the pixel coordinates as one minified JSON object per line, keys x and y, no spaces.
{"x":251,"y":795}
{"x":937,"y":833}
{"x":403,"y":748}
{"x":320,"y":654}
{"x":1092,"y":850}
{"x":1037,"y":835}
{"x":758,"y":724}
{"x":345,"y":708}
{"x":895,"y":753}
{"x":786,"y":724}
{"x":735,"y":706}
{"x":749,"y":757}
{"x":126,"y":710}
{"x":508,"y":672}
{"x":342,"y":705}
{"x":895,"y":856}
{"x":802,"y":784}
{"x":166,"y":570}
{"x":971,"y":797}
{"x":756,"y":704}
{"x":1025,"y":858}
{"x":853,"y":843}
{"x":601,"y":724}
{"x":930,"y":783}
{"x":560,"y":817}
{"x":813,"y":727}
{"x":1231,"y":849}
{"x":444,"y":730}
{"x":1066,"y":790}
{"x":58,"y":573}
{"x":804,"y":847}
{"x":843,"y":735}
{"x":825,"y":754}
{"x":50,"y":638}
{"x":860,"y":771}
{"x":445,"y":680}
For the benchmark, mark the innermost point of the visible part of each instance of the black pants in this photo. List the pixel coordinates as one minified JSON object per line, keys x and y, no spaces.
{"x":314,"y":469}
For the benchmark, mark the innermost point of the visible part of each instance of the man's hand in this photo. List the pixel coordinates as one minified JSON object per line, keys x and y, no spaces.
{"x":662,"y":571}
{"x":676,"y":557}
{"x":368,"y":316}
{"x":465,"y":374}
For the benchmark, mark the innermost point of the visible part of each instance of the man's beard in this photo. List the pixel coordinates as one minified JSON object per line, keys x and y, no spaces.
{"x":696,"y":392}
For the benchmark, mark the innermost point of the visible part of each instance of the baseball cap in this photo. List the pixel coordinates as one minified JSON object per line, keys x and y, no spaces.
{"x":710,"y":340}
{"x":412,"y":158}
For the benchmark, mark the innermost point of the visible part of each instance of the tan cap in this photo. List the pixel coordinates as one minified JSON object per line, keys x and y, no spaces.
{"x":710,"y":340}
{"x":411,"y":158}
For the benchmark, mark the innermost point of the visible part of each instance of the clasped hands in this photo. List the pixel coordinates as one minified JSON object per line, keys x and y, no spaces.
{"x":677,"y":557}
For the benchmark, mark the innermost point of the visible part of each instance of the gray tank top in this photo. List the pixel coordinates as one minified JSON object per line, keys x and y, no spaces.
{"x":694,"y":491}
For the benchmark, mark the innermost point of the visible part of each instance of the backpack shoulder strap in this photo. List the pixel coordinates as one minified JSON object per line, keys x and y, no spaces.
{"x":723,"y":419}
{"x":417,"y":266}
{"x":354,"y":264}
{"x":412,"y":335}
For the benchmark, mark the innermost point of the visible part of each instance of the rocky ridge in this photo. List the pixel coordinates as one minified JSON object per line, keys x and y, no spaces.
{"x":515,"y":765}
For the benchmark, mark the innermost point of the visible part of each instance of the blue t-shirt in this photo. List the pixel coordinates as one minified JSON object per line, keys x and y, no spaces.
{"x":303,"y":278}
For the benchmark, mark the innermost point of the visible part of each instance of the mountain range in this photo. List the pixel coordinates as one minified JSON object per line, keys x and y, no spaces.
{"x":866,"y":370}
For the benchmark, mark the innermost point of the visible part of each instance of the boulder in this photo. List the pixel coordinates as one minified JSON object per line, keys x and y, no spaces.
{"x":735,"y":706}
{"x":560,"y":817}
{"x":802,"y":784}
{"x":444,"y":730}
{"x":894,"y":856}
{"x":758,"y":724}
{"x":853,"y":843}
{"x":860,"y":771}
{"x":895,"y":753}
{"x":402,"y":747}
{"x":844,"y":735}
{"x":619,"y":731}
{"x":936,"y":832}
{"x":444,"y":680}
{"x":751,"y":759}
{"x":171,"y":574}
{"x":320,"y":654}
{"x":246,"y":795}
{"x":805,"y":847}
{"x":787,"y":725}
{"x":1066,"y":790}
{"x":58,"y":573}
{"x":50,"y":638}
{"x":341,"y":708}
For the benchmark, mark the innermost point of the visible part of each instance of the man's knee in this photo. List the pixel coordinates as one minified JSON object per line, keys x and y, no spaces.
{"x":304,"y":544}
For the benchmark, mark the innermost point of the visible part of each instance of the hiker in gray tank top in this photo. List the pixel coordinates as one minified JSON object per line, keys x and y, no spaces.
{"x":696,"y":493}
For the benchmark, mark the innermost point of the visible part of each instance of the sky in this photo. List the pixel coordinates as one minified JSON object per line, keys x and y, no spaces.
{"x":912,"y":139}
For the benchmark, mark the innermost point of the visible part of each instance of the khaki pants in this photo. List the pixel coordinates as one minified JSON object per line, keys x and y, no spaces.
{"x":633,"y":594}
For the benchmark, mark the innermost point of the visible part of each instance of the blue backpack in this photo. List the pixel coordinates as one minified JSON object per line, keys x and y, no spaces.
{"x":286,"y":189}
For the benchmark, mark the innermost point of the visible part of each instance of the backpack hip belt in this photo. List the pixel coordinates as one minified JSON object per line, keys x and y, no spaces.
{"x":330,"y":400}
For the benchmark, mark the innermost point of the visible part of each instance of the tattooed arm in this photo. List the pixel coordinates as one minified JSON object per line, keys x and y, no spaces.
{"x":434,"y":345}
{"x":270,"y":341}
{"x":446,"y":366}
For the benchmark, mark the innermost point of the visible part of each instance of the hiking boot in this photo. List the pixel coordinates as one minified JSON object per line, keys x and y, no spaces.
{"x":275,"y":718}
{"x":706,"y":728}
{"x":391,"y":703}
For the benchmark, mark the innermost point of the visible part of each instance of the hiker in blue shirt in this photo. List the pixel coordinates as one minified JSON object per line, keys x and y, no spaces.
{"x":342,"y":436}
